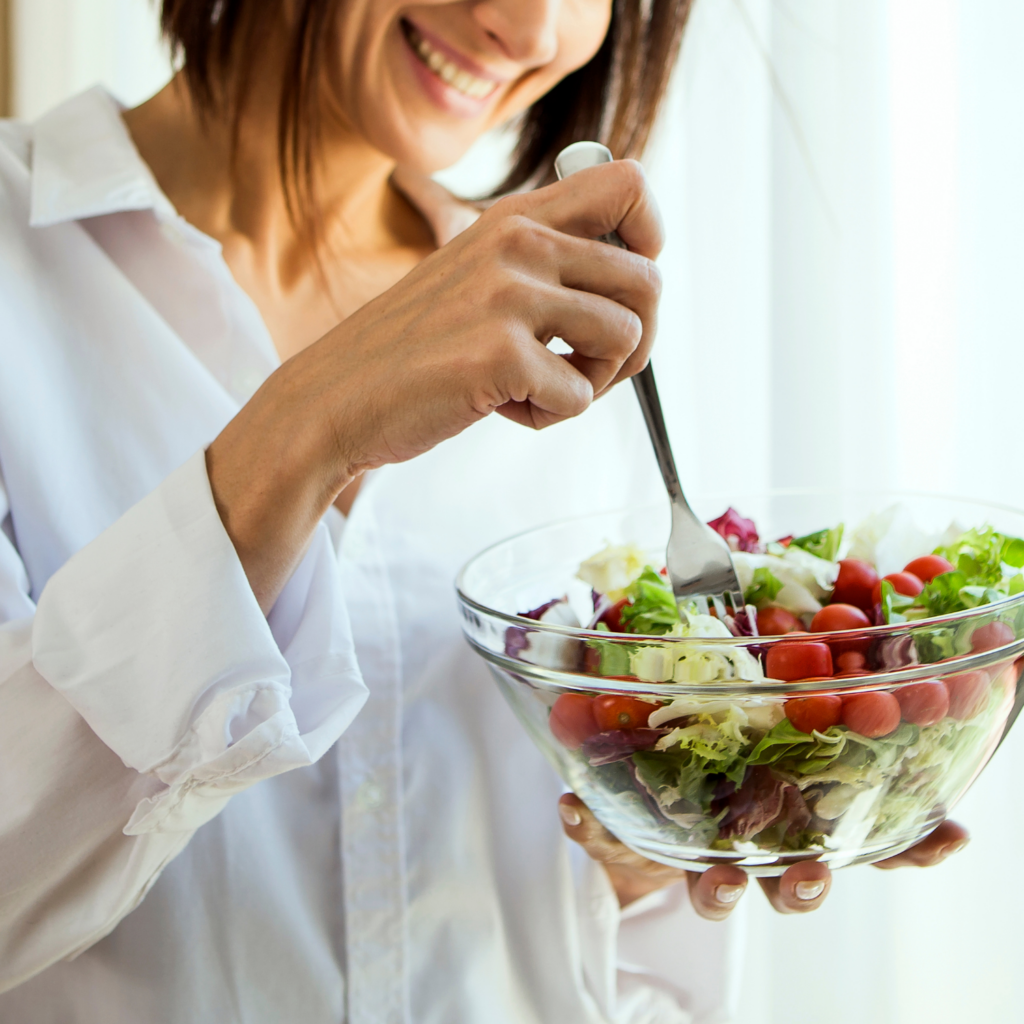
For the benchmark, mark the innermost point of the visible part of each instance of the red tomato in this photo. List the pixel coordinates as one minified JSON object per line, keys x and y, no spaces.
{"x":612,"y":618}
{"x":905,"y":583}
{"x":854,"y":585}
{"x":871,"y":714}
{"x":817,"y":712}
{"x":924,"y":703}
{"x":851,"y":661}
{"x":839,"y":616}
{"x":614,"y":711}
{"x":968,"y":693}
{"x":798,"y":660}
{"x":572,"y":720}
{"x":990,"y":636}
{"x":777,"y":621}
{"x":927,"y":567}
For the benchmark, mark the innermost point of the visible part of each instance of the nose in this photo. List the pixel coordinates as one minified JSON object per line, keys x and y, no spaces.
{"x":527,"y":30}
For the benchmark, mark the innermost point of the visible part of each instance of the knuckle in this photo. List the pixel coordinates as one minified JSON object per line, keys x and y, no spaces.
{"x":517,"y":237}
{"x":653,"y":281}
{"x":633,"y":176}
{"x":632,"y":333}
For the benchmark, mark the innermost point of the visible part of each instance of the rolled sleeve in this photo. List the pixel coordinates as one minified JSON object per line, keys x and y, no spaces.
{"x":154,"y":636}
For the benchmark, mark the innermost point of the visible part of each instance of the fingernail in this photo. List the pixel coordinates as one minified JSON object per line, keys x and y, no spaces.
{"x":948,"y":851}
{"x":570,"y":815}
{"x":729,"y":893}
{"x":809,"y":890}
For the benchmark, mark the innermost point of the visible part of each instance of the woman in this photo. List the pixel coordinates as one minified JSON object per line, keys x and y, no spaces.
{"x":177,"y":578}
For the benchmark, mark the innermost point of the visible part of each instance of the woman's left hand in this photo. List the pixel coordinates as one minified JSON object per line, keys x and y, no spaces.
{"x":715,"y":892}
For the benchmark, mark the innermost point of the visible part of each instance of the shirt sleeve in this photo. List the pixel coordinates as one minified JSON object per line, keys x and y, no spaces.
{"x":656,"y":961}
{"x":145,"y":690}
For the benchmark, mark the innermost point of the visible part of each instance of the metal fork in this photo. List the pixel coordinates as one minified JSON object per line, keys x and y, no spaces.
{"x":699,"y":562}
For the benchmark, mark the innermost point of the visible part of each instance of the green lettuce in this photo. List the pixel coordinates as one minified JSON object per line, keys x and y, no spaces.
{"x":816,"y":754}
{"x":764,"y":587}
{"x":823,"y":543}
{"x":652,"y":607}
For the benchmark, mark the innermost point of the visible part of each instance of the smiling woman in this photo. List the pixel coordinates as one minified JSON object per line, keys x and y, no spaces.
{"x":598,"y":72}
{"x":250,"y":770}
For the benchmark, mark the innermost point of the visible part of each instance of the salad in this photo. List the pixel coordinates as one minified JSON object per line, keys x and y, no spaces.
{"x":816,"y":770}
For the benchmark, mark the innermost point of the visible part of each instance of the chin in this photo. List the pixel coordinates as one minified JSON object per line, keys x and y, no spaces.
{"x":422,"y":144}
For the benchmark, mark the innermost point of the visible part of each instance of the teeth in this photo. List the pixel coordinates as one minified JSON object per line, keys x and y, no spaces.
{"x":458,"y":78}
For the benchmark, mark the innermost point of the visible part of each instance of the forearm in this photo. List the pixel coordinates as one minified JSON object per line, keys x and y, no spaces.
{"x":274,"y":471}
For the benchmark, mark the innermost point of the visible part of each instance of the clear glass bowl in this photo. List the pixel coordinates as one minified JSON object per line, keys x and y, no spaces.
{"x":840,"y":797}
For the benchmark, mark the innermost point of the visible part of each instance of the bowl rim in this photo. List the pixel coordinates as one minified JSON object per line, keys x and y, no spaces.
{"x":871,"y":632}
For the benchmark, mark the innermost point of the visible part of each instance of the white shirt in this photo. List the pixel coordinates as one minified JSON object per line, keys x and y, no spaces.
{"x":183,"y":836}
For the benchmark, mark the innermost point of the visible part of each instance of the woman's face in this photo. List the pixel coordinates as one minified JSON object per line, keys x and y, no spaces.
{"x":423,"y":81}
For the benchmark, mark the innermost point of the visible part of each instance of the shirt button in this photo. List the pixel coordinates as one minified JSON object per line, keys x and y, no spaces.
{"x":370,"y":796}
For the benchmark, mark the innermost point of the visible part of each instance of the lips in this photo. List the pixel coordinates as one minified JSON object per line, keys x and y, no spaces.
{"x":451,"y":74}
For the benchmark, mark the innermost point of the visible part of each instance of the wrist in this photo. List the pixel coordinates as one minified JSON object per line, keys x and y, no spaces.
{"x":274,"y":471}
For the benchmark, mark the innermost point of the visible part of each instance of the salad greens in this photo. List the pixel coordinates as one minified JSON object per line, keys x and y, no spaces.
{"x":824,"y":544}
{"x":652,"y":607}
{"x":764,"y":587}
{"x":741,"y":773}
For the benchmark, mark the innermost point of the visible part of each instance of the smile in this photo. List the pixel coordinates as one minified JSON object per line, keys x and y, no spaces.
{"x":451,"y":74}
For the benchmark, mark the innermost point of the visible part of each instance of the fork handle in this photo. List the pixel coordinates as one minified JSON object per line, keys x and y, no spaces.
{"x":575,"y":158}
{"x":647,"y":394}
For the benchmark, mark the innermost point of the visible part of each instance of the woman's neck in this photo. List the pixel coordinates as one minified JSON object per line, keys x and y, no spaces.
{"x":371,"y":235}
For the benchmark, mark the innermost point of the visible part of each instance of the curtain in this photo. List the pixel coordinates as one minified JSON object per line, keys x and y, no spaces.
{"x":61,"y":47}
{"x":843,"y":187}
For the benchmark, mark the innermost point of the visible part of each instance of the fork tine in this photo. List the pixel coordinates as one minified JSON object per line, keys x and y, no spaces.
{"x":752,"y":620}
{"x":719,"y":605}
{"x":702,"y":604}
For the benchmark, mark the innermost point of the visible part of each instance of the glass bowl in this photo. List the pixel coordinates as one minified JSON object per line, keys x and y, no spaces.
{"x":783,"y":795}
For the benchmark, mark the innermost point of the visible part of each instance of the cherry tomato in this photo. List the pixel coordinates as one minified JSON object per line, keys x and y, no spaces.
{"x":854,"y":584}
{"x":851,"y":661}
{"x":614,"y":711}
{"x":798,"y":660}
{"x":871,"y":714}
{"x":839,"y":616}
{"x":612,"y":618}
{"x":777,"y":621}
{"x":990,"y":636}
{"x":592,"y":661}
{"x":927,"y":567}
{"x":572,"y":720}
{"x":905,"y":583}
{"x":968,"y":693}
{"x":924,"y":703}
{"x":819,"y":712}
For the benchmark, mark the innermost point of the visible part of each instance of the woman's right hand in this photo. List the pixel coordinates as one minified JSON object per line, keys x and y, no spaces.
{"x":461,"y":336}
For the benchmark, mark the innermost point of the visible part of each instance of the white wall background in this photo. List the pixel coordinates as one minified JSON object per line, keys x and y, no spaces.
{"x":64,"y":46}
{"x":843,"y":183}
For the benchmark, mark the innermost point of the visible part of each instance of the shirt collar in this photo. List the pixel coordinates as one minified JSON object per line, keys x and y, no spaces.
{"x":84,"y":164}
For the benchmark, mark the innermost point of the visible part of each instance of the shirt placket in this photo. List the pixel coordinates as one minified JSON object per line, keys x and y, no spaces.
{"x":369,"y":756}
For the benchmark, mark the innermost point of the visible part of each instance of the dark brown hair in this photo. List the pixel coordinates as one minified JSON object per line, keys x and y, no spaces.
{"x":614,"y":98}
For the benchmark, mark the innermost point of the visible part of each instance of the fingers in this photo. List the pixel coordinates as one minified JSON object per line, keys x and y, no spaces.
{"x":947,"y":839}
{"x":714,"y":893}
{"x":580,"y":825}
{"x":542,"y":388}
{"x":802,"y":888}
{"x":603,"y":334}
{"x":631,"y":875}
{"x":592,"y":202}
